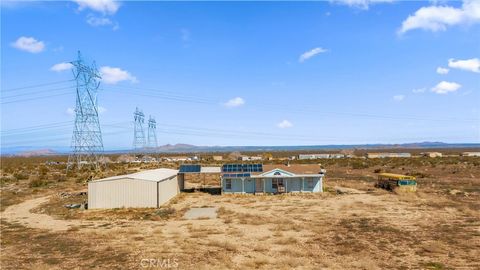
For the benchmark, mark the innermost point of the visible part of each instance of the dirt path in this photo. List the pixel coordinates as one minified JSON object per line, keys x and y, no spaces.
{"x":22,"y":214}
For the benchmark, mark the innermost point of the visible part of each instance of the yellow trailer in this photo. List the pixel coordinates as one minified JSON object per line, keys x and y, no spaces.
{"x":393,"y":181}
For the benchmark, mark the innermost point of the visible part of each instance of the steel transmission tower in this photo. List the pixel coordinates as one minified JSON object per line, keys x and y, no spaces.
{"x":138,"y":133}
{"x":87,"y":143}
{"x":152,"y":133}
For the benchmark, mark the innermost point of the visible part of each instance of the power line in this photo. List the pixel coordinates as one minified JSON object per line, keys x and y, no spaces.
{"x":269,"y":107}
{"x":36,"y":85}
{"x":38,"y":92}
{"x":36,"y":98}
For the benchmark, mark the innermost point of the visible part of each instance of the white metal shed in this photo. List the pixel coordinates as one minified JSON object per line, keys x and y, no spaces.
{"x":151,"y":188}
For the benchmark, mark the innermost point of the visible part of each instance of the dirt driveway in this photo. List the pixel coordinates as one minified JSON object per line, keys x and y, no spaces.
{"x":22,"y":214}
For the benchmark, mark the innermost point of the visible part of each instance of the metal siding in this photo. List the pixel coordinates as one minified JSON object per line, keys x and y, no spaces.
{"x":167,"y":190}
{"x":122,"y":193}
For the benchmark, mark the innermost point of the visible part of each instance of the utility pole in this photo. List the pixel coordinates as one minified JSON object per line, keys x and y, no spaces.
{"x":152,"y":133}
{"x":138,"y":133}
{"x":87,"y":142}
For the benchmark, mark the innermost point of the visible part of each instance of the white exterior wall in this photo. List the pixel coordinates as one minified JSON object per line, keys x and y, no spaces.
{"x":122,"y":193}
{"x":167,"y":189}
{"x":131,"y":193}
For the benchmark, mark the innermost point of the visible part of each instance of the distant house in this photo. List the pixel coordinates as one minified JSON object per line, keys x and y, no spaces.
{"x":432,"y":154}
{"x":217,"y":158}
{"x":471,"y":154}
{"x":258,"y":178}
{"x":389,"y":155}
{"x":250,"y":158}
{"x":313,"y":156}
{"x":337,"y":155}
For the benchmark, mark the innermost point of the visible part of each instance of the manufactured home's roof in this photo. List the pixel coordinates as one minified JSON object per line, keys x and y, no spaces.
{"x":293,"y":168}
{"x":150,"y":175}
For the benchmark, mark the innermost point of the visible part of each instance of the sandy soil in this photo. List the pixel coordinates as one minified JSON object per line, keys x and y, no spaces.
{"x":22,"y":214}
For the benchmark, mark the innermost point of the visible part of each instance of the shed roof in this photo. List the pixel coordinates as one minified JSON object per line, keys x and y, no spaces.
{"x":156,"y":175}
{"x":210,"y":170}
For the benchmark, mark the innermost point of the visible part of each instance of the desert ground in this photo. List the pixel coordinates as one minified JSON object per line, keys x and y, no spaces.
{"x":352,"y":225}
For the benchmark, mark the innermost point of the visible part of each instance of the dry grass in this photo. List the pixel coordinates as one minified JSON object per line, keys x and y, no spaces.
{"x":435,"y":228}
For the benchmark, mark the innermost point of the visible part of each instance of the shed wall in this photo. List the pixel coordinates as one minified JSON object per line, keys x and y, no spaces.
{"x":122,"y":193}
{"x":168,"y":189}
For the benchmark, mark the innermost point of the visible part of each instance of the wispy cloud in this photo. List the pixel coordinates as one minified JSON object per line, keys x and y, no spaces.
{"x":472,"y":65}
{"x":61,"y":67}
{"x":234,"y":102}
{"x":285,"y":124}
{"x":419,"y":90}
{"x":113,"y":75}
{"x":399,"y":97}
{"x":101,"y":21}
{"x":311,"y":53}
{"x":442,"y":70}
{"x":438,"y":18}
{"x":361,"y":4}
{"x":28,"y":44}
{"x":103,"y":6}
{"x":445,"y":87}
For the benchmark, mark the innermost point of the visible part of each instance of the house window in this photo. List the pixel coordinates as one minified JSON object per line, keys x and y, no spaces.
{"x":277,"y":183}
{"x":310,"y":183}
{"x":228,"y":183}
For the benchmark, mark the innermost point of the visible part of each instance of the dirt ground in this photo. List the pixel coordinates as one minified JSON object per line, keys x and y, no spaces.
{"x":359,"y":228}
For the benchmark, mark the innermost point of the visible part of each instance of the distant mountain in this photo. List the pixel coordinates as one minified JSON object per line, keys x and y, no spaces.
{"x":188,"y":148}
{"x":41,"y":152}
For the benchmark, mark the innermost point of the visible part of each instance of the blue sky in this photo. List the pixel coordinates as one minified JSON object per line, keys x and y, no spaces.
{"x":246,"y":73}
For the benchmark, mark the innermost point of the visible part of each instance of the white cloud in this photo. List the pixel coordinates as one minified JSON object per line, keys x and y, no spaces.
{"x":438,"y":18}
{"x":61,"y":67}
{"x":399,"y":97}
{"x":285,"y":124}
{"x":234,"y":102}
{"x":113,"y":75}
{"x":442,"y":70}
{"x":472,"y":65}
{"x":362,"y":4}
{"x":103,"y":6}
{"x":311,"y":53}
{"x":29,"y":44}
{"x":419,"y":90}
{"x":101,"y":21}
{"x":445,"y":87}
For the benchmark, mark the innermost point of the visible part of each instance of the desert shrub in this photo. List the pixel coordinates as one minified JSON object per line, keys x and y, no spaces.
{"x":36,"y":181}
{"x":43,"y":170}
{"x":58,"y":177}
{"x":20,"y":175}
{"x":6,"y":179}
{"x":165,"y":212}
{"x":358,"y":165}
